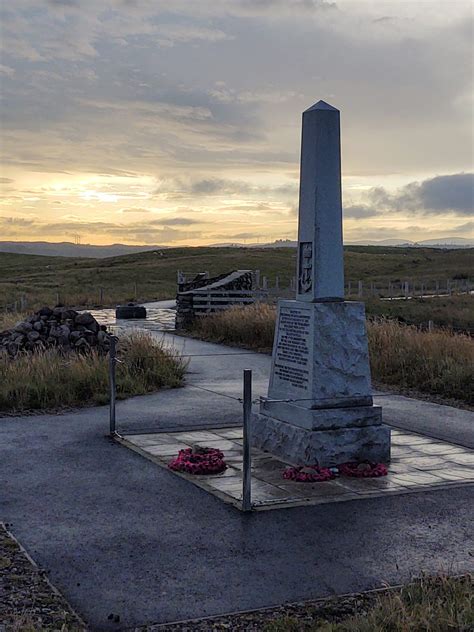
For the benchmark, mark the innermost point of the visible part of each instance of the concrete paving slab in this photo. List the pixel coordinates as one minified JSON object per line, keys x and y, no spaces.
{"x":271,"y":491}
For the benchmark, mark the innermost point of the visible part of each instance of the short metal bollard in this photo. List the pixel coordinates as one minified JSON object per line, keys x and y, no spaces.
{"x":112,"y":380}
{"x":247,"y":456}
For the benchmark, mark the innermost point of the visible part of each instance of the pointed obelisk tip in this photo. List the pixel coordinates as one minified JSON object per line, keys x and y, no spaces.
{"x":322,"y":105}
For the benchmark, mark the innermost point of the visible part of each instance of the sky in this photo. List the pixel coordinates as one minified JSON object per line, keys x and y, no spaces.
{"x":178,"y":123}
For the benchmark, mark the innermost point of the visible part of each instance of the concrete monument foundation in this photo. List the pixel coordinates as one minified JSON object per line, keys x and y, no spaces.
{"x":322,"y":447}
{"x":319,"y":407}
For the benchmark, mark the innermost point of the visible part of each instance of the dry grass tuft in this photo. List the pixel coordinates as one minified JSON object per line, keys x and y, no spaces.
{"x":438,"y":363}
{"x":51,"y":380}
{"x":9,"y":319}
{"x":431,"y":604}
{"x":251,"y":327}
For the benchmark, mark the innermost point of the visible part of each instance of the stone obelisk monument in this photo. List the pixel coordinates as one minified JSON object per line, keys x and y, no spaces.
{"x":319,"y":408}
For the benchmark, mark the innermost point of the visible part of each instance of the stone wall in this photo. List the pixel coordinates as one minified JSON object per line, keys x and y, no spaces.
{"x":186,"y":308}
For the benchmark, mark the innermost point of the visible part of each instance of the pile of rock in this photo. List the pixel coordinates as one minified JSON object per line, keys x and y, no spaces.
{"x":59,"y":327}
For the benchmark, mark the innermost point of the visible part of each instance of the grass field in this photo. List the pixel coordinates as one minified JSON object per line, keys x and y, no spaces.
{"x":456,"y":311}
{"x":79,"y":280}
{"x":152,"y":275}
{"x":436,"y":363}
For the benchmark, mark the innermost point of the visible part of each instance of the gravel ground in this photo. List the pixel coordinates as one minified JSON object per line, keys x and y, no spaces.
{"x":305,"y":614}
{"x":28,"y":602}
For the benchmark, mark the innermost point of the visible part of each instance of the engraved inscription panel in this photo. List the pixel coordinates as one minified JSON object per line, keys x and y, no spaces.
{"x":305,"y":278}
{"x":291,"y":363}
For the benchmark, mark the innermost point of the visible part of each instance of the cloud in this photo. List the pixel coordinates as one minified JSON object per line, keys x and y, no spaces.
{"x":209,"y":187}
{"x":359,"y":212}
{"x":176,"y":221}
{"x":463,"y":228}
{"x":454,"y":193}
{"x":447,"y":194}
{"x":141,"y":232}
{"x":6,"y":181}
{"x":134,"y":210}
{"x":218,"y":186}
{"x":6,"y":70}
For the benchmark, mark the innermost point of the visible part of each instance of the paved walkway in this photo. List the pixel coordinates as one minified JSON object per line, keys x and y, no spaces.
{"x":120,"y":535}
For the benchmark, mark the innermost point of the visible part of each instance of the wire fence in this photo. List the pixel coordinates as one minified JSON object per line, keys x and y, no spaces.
{"x":264,"y":288}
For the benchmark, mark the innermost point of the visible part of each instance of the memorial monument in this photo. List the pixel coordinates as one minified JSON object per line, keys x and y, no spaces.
{"x":319,"y":408}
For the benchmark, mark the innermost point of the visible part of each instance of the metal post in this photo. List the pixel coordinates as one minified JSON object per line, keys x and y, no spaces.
{"x":247,"y":457}
{"x":257,"y":279}
{"x":112,"y":382}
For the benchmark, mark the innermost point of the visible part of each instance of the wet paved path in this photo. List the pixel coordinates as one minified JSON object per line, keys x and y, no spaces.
{"x":120,"y":535}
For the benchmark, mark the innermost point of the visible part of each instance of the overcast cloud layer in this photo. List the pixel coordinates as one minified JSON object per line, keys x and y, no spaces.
{"x":157,"y":122}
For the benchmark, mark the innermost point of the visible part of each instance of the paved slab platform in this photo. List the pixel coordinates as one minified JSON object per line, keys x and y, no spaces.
{"x":418,"y":464}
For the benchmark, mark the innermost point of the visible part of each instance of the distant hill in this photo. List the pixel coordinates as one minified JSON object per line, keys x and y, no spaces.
{"x":444,"y":242}
{"x":68,"y":249}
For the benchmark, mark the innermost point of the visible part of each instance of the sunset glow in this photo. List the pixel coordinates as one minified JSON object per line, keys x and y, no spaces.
{"x":144,"y":124}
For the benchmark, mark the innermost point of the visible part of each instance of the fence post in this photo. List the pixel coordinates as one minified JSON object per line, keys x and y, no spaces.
{"x":360,"y":289}
{"x":264,"y":283}
{"x":430,"y":325}
{"x":257,"y":279}
{"x":247,"y":456}
{"x":112,"y":381}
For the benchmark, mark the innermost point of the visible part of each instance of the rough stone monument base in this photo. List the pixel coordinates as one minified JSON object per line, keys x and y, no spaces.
{"x":323,"y":447}
{"x":319,"y":407}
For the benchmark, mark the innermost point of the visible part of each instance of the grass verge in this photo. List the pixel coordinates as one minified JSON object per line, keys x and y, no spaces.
{"x":426,"y":604}
{"x":433,"y":604}
{"x":51,"y":380}
{"x":438,"y":363}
